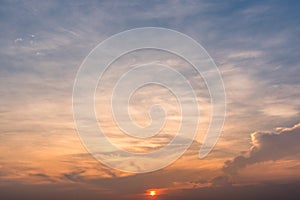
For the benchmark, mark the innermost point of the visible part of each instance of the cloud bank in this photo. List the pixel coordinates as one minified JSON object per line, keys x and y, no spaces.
{"x":267,"y":146}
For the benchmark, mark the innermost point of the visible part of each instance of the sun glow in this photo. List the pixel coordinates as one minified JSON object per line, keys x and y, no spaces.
{"x":152,"y":192}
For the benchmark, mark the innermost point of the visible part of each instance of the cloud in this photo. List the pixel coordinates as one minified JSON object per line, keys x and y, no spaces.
{"x":267,"y":146}
{"x":18,"y":40}
{"x":221,"y":181}
{"x":258,"y":41}
{"x":74,"y":176}
{"x":288,"y":191}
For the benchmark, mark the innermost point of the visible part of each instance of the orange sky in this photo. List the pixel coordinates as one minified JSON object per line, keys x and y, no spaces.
{"x":255,"y":47}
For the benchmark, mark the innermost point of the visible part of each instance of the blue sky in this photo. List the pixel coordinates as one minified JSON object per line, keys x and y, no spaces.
{"x":255,"y":44}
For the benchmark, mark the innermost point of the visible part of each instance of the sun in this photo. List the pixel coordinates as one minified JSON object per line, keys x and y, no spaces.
{"x":152,"y":192}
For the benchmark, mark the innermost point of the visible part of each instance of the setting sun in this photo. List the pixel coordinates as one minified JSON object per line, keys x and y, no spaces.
{"x":152,"y":192}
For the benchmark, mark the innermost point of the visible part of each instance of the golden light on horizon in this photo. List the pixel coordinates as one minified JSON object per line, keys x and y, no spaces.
{"x":152,"y":193}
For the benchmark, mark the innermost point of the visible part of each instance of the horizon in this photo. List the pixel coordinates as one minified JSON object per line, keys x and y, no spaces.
{"x":250,"y":48}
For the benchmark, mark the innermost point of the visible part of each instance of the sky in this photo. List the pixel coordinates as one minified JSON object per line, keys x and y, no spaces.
{"x":254,"y":44}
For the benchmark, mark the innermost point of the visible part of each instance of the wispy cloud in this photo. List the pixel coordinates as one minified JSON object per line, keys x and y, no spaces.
{"x":255,"y":44}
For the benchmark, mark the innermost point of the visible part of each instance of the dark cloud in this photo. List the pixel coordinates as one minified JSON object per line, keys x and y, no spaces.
{"x":43,"y":177}
{"x":267,"y":146}
{"x":74,"y":176}
{"x":288,"y":191}
{"x":17,"y":191}
{"x":40,"y":175}
{"x":221,"y":181}
{"x":66,"y":31}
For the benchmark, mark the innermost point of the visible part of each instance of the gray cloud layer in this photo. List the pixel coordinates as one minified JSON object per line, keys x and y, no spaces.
{"x":267,"y":146}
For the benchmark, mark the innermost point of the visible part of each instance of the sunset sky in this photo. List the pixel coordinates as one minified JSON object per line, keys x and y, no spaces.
{"x":256,"y":47}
